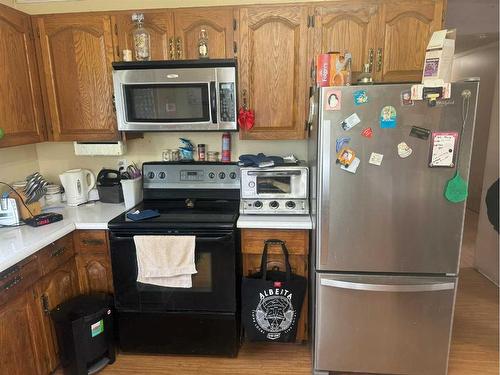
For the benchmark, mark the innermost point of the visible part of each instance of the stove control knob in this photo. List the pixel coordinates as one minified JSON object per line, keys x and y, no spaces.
{"x":232,"y":175}
{"x":290,"y":204}
{"x":151,"y":175}
{"x":211,"y":175}
{"x":274,"y":204}
{"x":162,"y":175}
{"x":222,"y":175}
{"x":257,"y":204}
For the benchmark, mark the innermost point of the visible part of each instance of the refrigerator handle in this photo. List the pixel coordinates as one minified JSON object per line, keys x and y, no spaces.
{"x":323,"y":189}
{"x":388,"y":287}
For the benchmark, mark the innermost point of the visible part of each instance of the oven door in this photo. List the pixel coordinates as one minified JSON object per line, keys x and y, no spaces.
{"x":275,"y":184}
{"x":214,"y":286}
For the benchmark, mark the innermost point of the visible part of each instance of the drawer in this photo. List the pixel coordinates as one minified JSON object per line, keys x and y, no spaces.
{"x":15,"y":280}
{"x":56,"y":254}
{"x":91,"y":241}
{"x":252,"y":241}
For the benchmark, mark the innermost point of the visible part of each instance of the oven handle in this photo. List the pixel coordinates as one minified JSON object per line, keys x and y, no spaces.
{"x":274,"y":173}
{"x":198,"y":238}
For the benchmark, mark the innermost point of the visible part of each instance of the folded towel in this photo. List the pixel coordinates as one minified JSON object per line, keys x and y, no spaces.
{"x":165,"y":260}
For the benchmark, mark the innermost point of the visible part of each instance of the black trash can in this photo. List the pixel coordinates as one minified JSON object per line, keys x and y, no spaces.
{"x":84,"y":328}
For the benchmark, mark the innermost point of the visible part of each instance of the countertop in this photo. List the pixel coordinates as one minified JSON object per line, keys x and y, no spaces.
{"x":275,"y":221}
{"x":18,"y":243}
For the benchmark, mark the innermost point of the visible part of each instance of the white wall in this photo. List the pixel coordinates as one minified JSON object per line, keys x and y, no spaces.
{"x":481,"y":62}
{"x":487,"y":246}
{"x":17,"y":162}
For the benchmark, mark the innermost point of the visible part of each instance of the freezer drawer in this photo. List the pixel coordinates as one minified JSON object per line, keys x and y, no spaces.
{"x":383,"y":324}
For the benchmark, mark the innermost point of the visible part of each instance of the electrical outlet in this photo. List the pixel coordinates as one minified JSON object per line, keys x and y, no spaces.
{"x":122,"y":163}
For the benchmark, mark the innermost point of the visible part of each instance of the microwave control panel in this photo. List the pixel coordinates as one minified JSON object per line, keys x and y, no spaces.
{"x":227,"y":101}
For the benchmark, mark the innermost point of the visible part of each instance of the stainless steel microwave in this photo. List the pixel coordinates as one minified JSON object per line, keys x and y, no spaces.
{"x":175,"y":95}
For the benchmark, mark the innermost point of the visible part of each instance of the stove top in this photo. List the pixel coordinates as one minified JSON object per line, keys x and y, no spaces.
{"x":182,"y":213}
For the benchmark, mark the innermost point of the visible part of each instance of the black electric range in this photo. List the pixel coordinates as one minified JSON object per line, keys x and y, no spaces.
{"x":196,"y":199}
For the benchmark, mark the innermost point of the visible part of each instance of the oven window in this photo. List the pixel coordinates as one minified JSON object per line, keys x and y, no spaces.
{"x":274,"y":185}
{"x":167,"y":103}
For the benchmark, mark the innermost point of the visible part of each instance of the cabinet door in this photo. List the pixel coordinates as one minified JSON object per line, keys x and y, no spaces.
{"x":349,"y":27}
{"x":20,"y":337}
{"x":21,"y":113}
{"x":273,"y":70}
{"x":94,"y":273}
{"x":55,"y":288}
{"x":77,"y":52}
{"x":407,"y":29}
{"x":218,"y":22}
{"x":160,"y":26}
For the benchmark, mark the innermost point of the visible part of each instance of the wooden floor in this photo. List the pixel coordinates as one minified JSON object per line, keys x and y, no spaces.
{"x":474,"y":348}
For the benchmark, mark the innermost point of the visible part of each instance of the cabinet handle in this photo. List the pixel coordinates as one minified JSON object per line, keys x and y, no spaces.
{"x":178,"y":44}
{"x":92,"y":242}
{"x":16,"y":280}
{"x":379,"y":59}
{"x":171,"y":48}
{"x":9,"y":272}
{"x":58,"y":252}
{"x":370,"y":59}
{"x":113,"y":102}
{"x":45,"y":303}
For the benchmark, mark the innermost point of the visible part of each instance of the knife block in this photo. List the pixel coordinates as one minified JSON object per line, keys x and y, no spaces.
{"x":34,"y":207}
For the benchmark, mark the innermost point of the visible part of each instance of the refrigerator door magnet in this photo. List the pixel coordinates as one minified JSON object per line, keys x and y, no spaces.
{"x":442,"y":150}
{"x":420,"y":133}
{"x":404,"y":150}
{"x":341,"y":142}
{"x":376,"y":159}
{"x":333,"y":100}
{"x":352,"y":167}
{"x":406,"y":98}
{"x":367,"y":132}
{"x":350,"y":122}
{"x":388,"y":117}
{"x":360,"y":97}
{"x":346,"y":156}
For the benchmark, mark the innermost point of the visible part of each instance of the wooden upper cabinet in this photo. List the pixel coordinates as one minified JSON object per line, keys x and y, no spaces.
{"x":160,"y":26}
{"x":76,"y":53}
{"x":218,"y":23}
{"x":273,"y":70}
{"x":341,"y":27}
{"x":407,"y":27}
{"x":21,"y":112}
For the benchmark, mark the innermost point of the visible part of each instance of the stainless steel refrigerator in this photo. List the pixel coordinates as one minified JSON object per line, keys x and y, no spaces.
{"x":386,"y":242}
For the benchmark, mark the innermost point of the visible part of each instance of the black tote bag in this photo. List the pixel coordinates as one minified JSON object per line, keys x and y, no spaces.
{"x":272,"y":301}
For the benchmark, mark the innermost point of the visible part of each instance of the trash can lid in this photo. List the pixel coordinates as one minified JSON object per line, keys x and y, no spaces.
{"x":81,"y":306}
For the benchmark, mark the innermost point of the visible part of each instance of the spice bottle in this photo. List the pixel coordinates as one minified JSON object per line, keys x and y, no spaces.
{"x":226,"y":147}
{"x":201,"y":152}
{"x":141,"y":37}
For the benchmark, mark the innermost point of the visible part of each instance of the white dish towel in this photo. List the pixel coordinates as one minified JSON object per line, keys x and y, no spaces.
{"x":165,"y":260}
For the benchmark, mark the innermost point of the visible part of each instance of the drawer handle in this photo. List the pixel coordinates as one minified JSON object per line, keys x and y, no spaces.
{"x":58,"y":252}
{"x":45,"y":303}
{"x":16,"y":280}
{"x":92,"y":242}
{"x":388,"y":287}
{"x":9,"y":272}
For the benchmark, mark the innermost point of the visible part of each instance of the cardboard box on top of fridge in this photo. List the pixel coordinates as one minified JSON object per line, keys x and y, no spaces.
{"x":331,"y":69}
{"x":439,"y":58}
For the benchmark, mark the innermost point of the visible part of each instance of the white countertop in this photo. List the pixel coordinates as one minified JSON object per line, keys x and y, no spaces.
{"x":18,"y":243}
{"x":275,"y":221}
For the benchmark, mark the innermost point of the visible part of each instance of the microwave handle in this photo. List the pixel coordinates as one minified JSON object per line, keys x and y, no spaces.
{"x":213,"y":102}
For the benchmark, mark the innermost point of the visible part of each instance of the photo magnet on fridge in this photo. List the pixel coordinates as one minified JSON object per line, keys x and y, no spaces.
{"x":346,"y":156}
{"x":350,"y":122}
{"x":406,"y":98}
{"x":360,"y":97}
{"x":333,"y":100}
{"x":388,"y":117}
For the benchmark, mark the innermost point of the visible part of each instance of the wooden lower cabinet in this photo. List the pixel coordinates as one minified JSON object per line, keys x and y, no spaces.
{"x":21,"y":339}
{"x":53,"y":289}
{"x":297,"y":243}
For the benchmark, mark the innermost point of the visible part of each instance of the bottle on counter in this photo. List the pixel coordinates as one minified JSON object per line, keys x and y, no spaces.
{"x":201,"y":152}
{"x":142,"y":38}
{"x":226,"y":147}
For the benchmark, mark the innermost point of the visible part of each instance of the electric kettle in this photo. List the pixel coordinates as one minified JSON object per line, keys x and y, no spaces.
{"x":77,"y":183}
